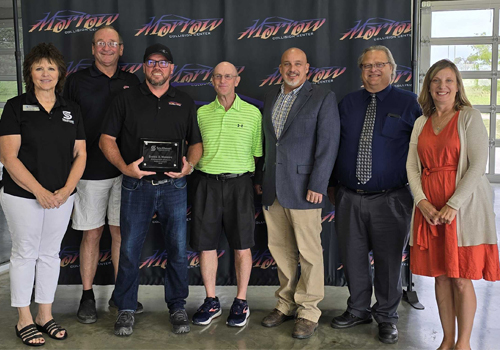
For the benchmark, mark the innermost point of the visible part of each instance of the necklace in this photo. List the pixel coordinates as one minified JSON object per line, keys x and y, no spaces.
{"x":443,"y":122}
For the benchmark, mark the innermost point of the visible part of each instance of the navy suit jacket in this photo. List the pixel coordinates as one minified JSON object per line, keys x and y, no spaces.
{"x":303,"y":158}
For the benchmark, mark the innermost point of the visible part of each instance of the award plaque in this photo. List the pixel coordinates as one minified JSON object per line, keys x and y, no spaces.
{"x":162,"y":156}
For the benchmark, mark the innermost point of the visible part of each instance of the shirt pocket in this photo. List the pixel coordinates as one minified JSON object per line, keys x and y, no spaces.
{"x":394,"y":127}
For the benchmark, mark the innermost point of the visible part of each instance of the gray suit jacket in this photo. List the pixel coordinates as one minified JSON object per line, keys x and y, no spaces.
{"x":303,"y":158}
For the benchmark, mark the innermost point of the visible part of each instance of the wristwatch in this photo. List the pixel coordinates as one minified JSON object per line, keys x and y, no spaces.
{"x":192,"y":168}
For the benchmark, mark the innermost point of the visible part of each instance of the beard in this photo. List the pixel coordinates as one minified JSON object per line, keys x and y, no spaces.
{"x":161,"y":82}
{"x":290,"y":82}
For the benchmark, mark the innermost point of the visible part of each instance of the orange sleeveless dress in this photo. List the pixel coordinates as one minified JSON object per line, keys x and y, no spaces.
{"x":435,"y":249}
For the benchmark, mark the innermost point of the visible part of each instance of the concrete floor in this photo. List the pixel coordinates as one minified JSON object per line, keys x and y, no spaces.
{"x":417,"y":329}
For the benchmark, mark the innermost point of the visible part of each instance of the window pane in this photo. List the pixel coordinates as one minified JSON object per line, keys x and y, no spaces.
{"x":486,"y":121}
{"x":478,"y":91}
{"x":497,"y":160}
{"x":8,"y":89}
{"x":466,"y":57}
{"x":454,"y":24}
{"x":8,"y":64}
{"x":497,"y":124}
{"x":7,"y":33}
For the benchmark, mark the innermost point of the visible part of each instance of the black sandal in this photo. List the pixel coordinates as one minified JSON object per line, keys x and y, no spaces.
{"x":28,"y":333}
{"x":52,"y":328}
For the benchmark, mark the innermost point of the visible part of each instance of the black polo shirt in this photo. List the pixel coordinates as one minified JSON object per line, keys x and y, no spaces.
{"x":137,"y":113}
{"x":94,"y":91}
{"x":47,"y":140}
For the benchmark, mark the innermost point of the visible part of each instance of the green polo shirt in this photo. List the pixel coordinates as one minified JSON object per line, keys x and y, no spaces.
{"x":231,"y":139}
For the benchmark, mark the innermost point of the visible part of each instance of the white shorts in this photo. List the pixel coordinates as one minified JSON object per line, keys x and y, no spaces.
{"x":93,"y":199}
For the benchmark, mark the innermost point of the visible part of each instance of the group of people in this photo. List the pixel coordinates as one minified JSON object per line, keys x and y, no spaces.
{"x":395,"y":167}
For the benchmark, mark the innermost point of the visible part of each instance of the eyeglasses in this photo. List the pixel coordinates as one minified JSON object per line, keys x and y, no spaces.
{"x":111,"y":44}
{"x":225,"y":76}
{"x":161,"y":64}
{"x":378,"y":65}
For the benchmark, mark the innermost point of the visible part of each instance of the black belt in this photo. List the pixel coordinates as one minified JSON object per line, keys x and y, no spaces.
{"x":364,"y":192}
{"x":222,"y":177}
{"x":158,"y":182}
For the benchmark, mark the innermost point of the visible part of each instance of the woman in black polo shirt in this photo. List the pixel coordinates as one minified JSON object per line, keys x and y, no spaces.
{"x":42,"y":148}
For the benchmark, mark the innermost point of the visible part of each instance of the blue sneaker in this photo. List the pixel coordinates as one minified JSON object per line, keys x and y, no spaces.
{"x":208,"y":311}
{"x":239,"y":313}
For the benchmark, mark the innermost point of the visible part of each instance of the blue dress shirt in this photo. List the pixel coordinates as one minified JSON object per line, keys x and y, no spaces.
{"x":397,"y":111}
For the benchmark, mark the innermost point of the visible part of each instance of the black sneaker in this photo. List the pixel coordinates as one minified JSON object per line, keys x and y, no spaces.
{"x":124,"y":323}
{"x":180,"y":322}
{"x":87,"y":312}
{"x":139,"y":310}
{"x":239,"y":313}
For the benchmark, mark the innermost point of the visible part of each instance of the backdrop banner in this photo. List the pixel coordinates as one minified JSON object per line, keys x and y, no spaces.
{"x":252,"y":35}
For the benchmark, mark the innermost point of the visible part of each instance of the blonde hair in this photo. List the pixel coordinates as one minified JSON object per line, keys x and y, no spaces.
{"x":387,"y":52}
{"x":425,"y":99}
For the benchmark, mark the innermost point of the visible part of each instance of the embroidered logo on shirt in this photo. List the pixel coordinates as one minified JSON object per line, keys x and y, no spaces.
{"x":67,"y":117}
{"x":126,"y":87}
{"x":172,"y":103}
{"x":240,"y":125}
{"x":31,"y":108}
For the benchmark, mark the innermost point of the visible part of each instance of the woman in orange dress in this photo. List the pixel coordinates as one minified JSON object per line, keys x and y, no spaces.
{"x":453,"y":234}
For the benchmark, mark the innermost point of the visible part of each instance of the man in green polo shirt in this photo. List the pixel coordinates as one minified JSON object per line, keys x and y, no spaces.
{"x":223,"y":192}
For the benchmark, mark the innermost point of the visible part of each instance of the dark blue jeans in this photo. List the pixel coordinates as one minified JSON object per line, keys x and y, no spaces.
{"x":139,"y":202}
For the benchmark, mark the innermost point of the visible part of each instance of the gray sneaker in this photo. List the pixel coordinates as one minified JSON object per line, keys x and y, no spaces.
{"x":124,"y":323}
{"x":180,"y":322}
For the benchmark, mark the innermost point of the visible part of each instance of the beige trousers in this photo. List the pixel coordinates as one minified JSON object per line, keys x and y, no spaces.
{"x":294,"y":235}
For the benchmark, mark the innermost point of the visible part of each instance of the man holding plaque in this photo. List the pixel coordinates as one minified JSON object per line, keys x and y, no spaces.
{"x":99,"y":189}
{"x":223,"y":192}
{"x":153,"y":121}
{"x":301,"y":129}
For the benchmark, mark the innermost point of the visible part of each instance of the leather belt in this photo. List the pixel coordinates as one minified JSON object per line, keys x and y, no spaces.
{"x":364,"y":192}
{"x":222,"y":177}
{"x":158,"y":182}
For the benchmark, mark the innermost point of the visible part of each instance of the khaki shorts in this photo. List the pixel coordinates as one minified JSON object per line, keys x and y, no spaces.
{"x":95,"y":198}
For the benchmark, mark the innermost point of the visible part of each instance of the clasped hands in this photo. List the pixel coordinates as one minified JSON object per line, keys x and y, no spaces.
{"x":49,"y":200}
{"x":436,"y":217}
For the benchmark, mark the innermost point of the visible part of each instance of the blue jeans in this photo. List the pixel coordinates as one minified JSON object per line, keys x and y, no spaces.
{"x":140,"y":200}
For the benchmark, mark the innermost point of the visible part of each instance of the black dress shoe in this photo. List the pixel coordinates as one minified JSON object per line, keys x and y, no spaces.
{"x":387,"y":333}
{"x":347,"y":320}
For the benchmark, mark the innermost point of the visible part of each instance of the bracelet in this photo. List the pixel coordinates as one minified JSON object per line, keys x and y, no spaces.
{"x":192,"y":168}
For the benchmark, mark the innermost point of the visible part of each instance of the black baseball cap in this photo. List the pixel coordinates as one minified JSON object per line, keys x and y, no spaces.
{"x":159,"y":49}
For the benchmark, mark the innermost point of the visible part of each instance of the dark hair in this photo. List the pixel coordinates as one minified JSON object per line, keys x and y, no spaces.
{"x":425,"y":98}
{"x":51,"y":54}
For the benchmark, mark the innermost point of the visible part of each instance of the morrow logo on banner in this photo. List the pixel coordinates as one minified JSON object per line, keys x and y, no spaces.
{"x":316,"y":75}
{"x":282,"y":28}
{"x":194,"y":74}
{"x":87,"y":62}
{"x":73,"y":21}
{"x":379,"y":29}
{"x":179,"y":27}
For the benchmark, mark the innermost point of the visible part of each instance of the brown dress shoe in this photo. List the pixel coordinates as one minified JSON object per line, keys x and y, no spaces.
{"x":275,"y":318}
{"x":303,"y":328}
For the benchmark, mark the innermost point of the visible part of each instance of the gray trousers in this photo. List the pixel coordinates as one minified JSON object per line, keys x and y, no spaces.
{"x":381,"y":223}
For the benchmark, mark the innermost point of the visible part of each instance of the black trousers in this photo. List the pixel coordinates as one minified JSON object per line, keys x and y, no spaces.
{"x":381,"y":223}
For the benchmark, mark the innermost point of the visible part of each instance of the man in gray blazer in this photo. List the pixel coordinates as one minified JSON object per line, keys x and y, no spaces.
{"x":301,"y":130}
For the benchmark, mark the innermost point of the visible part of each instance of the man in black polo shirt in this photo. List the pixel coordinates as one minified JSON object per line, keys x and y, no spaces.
{"x":99,"y":189}
{"x":158,"y":111}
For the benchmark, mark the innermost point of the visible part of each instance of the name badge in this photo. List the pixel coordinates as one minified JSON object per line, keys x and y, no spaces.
{"x":31,"y":108}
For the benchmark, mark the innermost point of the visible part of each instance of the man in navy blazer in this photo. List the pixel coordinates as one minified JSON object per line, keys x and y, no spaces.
{"x":301,"y":129}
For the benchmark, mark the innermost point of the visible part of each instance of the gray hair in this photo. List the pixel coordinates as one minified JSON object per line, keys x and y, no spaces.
{"x":387,"y":52}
